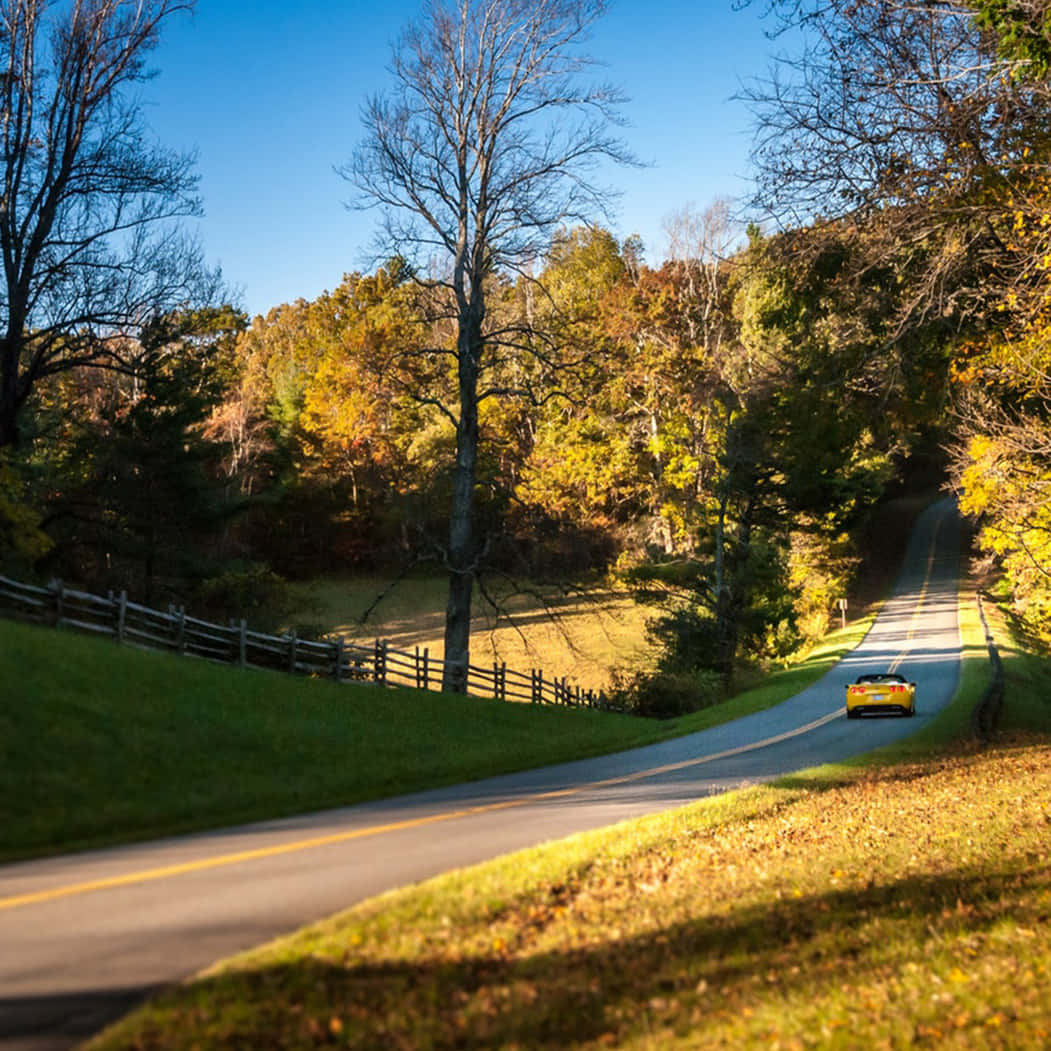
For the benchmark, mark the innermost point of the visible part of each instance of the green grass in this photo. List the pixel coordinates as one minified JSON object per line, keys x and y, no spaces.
{"x":101,"y":744}
{"x":584,"y":632}
{"x":901,"y":901}
{"x":1027,"y":677}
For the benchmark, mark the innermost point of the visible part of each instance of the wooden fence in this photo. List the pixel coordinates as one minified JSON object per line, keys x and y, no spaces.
{"x":986,"y":712}
{"x":335,"y":657}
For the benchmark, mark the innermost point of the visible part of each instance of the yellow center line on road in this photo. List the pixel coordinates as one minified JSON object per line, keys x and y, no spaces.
{"x":202,"y":864}
{"x":920,"y":602}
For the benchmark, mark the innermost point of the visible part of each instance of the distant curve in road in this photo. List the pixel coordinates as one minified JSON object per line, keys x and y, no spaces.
{"x":85,"y":937}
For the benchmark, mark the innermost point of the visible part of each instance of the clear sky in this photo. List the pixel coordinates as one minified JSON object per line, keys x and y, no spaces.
{"x":269,"y":94}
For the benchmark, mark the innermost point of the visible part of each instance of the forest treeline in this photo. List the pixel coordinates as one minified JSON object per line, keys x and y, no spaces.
{"x":713,"y":429}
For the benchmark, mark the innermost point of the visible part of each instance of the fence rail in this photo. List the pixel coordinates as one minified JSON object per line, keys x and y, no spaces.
{"x":335,"y":657}
{"x":986,"y":714}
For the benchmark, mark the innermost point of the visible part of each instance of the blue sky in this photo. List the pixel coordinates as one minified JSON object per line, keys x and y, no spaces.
{"x":269,"y":94}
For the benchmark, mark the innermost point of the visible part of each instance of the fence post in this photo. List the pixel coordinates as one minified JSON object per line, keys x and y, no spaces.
{"x":292,"y":652}
{"x":536,"y":685}
{"x":180,"y":632}
{"x":122,"y":616}
{"x":60,"y":592}
{"x":423,"y":672}
{"x":339,"y":644}
{"x":986,"y":712}
{"x":379,"y":663}
{"x":242,"y":645}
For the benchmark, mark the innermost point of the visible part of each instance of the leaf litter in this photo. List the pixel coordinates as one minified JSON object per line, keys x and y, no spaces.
{"x":902,"y":906}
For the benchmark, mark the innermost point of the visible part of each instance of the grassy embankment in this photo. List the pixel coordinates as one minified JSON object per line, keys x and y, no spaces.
{"x":900,"y":901}
{"x":101,"y":745}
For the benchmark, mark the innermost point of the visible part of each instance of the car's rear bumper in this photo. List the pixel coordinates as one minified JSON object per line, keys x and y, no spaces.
{"x":879,"y":709}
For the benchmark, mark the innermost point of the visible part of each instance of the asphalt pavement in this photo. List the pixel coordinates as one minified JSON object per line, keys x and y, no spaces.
{"x":85,"y":937}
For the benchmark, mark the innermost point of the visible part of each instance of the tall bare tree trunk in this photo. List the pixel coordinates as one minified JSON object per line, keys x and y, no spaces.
{"x":462,"y":556}
{"x":482,"y":151}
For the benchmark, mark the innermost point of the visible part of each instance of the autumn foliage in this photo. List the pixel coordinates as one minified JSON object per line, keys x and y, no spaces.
{"x":714,"y":427}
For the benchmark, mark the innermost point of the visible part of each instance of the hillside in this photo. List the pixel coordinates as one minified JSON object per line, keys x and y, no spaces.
{"x":834,"y":913}
{"x":113,"y":744}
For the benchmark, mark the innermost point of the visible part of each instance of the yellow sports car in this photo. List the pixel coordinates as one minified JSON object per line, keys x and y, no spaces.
{"x":885,"y":692}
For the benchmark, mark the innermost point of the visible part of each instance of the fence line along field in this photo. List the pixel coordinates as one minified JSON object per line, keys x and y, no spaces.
{"x":587,"y":631}
{"x":335,"y":657}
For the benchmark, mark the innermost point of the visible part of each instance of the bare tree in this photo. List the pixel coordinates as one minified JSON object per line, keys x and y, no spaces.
{"x":898,"y":116}
{"x":701,"y":245}
{"x":485,"y":146}
{"x":87,"y":207}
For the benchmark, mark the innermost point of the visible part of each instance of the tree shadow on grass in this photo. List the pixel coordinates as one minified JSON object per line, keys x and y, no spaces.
{"x":686,"y":973}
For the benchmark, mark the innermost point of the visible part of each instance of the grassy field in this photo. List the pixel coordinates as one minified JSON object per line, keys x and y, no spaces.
{"x":584,"y":633}
{"x":902,"y":901}
{"x":101,"y":744}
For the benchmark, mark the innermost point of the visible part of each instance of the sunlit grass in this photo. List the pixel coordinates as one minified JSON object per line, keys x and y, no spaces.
{"x":896,"y":903}
{"x":583,"y":632}
{"x":1027,"y":678}
{"x":833,"y":909}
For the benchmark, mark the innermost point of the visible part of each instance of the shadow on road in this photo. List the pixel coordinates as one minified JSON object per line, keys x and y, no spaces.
{"x":49,"y":1023}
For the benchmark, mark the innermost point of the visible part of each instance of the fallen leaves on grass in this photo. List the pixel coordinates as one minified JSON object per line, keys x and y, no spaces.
{"x":910,"y":906}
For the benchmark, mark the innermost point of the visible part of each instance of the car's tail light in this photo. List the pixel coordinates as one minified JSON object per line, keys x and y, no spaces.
{"x":897,"y":689}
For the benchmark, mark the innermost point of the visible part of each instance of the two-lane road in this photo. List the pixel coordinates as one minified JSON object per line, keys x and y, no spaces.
{"x":84,"y":937}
